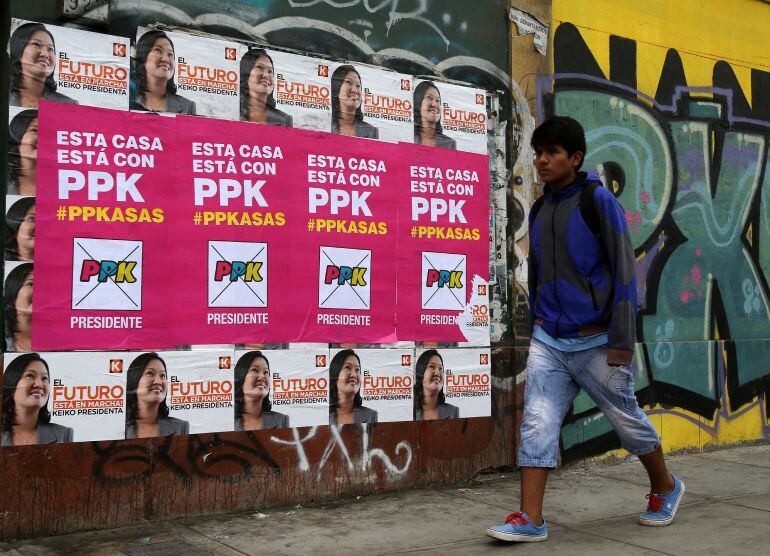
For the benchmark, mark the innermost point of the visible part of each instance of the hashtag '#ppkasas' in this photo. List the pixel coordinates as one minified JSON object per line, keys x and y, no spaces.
{"x":61,"y":213}
{"x":310,"y":225}
{"x":197,"y":219}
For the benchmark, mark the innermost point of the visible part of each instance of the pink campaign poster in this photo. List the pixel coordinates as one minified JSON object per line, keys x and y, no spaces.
{"x":239,"y":212}
{"x":102,"y":267}
{"x":344,"y":271}
{"x":443,"y":247}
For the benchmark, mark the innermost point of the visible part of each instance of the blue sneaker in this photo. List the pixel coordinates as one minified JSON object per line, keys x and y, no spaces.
{"x":518,"y":528}
{"x":661,"y":508}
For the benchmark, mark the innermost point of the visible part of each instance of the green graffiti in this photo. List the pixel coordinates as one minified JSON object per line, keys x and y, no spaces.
{"x":627,"y":147}
{"x":764,"y":219}
{"x":713,"y":255}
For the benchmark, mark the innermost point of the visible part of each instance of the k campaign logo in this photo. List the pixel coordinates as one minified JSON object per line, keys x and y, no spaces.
{"x":106,"y":274}
{"x":237,"y":274}
{"x":443,"y":281}
{"x":344,"y":278}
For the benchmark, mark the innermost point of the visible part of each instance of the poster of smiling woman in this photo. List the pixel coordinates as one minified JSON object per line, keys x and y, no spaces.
{"x":65,"y":65}
{"x":181,"y":73}
{"x":371,"y":102}
{"x":449,"y":116}
{"x":55,"y":397}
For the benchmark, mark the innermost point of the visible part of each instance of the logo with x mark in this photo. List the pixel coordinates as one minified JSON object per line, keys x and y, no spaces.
{"x":106,"y":274}
{"x":237,"y":274}
{"x":443,"y":280}
{"x":344,"y":278}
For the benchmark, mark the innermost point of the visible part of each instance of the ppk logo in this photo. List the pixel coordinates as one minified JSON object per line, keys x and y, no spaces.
{"x":230,"y":53}
{"x":406,"y":360}
{"x":483,"y":359}
{"x":323,"y":71}
{"x":119,"y":49}
{"x":443,"y":281}
{"x":225,"y":362}
{"x":480,"y":99}
{"x":237,"y":272}
{"x":481,"y":289}
{"x":106,"y":274}
{"x":406,"y":85}
{"x":320,"y":361}
{"x":344,"y":278}
{"x":116,"y":366}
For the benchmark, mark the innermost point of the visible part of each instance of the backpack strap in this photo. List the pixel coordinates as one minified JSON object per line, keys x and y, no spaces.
{"x":588,"y":208}
{"x":588,"y":212}
{"x":535,"y":208}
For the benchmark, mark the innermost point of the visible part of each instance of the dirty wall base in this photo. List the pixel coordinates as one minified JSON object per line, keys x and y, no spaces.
{"x":66,"y":488}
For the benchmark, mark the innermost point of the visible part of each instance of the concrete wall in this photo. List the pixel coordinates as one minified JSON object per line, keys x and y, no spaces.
{"x":675,"y":100}
{"x":64,"y":488}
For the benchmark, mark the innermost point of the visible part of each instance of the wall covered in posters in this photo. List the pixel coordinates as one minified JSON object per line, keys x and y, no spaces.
{"x":299,"y":460}
{"x":453,"y":44}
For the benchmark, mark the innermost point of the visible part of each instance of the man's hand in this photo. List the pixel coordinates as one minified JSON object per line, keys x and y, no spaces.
{"x":619,"y":357}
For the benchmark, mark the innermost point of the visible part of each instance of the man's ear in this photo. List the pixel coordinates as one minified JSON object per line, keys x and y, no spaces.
{"x":577,"y":158}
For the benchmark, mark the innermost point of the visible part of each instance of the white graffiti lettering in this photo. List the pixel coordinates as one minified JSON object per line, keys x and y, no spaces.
{"x":368,"y":454}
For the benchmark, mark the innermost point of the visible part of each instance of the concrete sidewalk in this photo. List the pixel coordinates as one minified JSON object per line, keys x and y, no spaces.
{"x":591,"y":509}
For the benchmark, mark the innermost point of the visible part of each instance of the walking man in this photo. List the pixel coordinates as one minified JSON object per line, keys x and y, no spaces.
{"x":582,"y":287}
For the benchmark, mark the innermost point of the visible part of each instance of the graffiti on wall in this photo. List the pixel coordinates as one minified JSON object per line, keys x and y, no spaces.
{"x":691,"y":168}
{"x":234,"y":456}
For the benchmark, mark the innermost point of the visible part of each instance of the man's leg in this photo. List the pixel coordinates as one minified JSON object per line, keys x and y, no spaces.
{"x":661,"y":481}
{"x":612,"y":388}
{"x":548,"y":394}
{"x":533,"y":481}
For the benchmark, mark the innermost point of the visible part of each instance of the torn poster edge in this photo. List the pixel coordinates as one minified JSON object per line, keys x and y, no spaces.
{"x":529,"y":24}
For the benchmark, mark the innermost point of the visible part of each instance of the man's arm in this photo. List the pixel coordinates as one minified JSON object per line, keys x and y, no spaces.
{"x":617,"y":242}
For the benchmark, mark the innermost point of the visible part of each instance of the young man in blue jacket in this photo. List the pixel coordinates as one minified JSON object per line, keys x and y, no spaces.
{"x":582,"y":287}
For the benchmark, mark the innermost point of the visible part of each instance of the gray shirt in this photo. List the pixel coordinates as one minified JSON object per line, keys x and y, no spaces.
{"x":167,"y":426}
{"x":270,"y":420}
{"x":442,"y":141}
{"x":13,"y":97}
{"x":279,"y":118}
{"x":175,"y":104}
{"x":445,"y":411}
{"x":360,"y":415}
{"x":363,"y":129}
{"x":47,"y":433}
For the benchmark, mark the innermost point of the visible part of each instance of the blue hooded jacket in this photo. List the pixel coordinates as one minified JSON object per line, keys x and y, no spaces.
{"x":578,"y":287}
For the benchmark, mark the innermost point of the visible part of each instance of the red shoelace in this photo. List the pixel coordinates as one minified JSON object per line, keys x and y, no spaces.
{"x":655,"y":502}
{"x":516,"y":518}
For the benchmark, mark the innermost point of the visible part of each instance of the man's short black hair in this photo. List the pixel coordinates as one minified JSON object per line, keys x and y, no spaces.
{"x":561,"y":131}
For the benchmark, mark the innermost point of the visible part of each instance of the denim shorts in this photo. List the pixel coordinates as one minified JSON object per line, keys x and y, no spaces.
{"x":554,"y":378}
